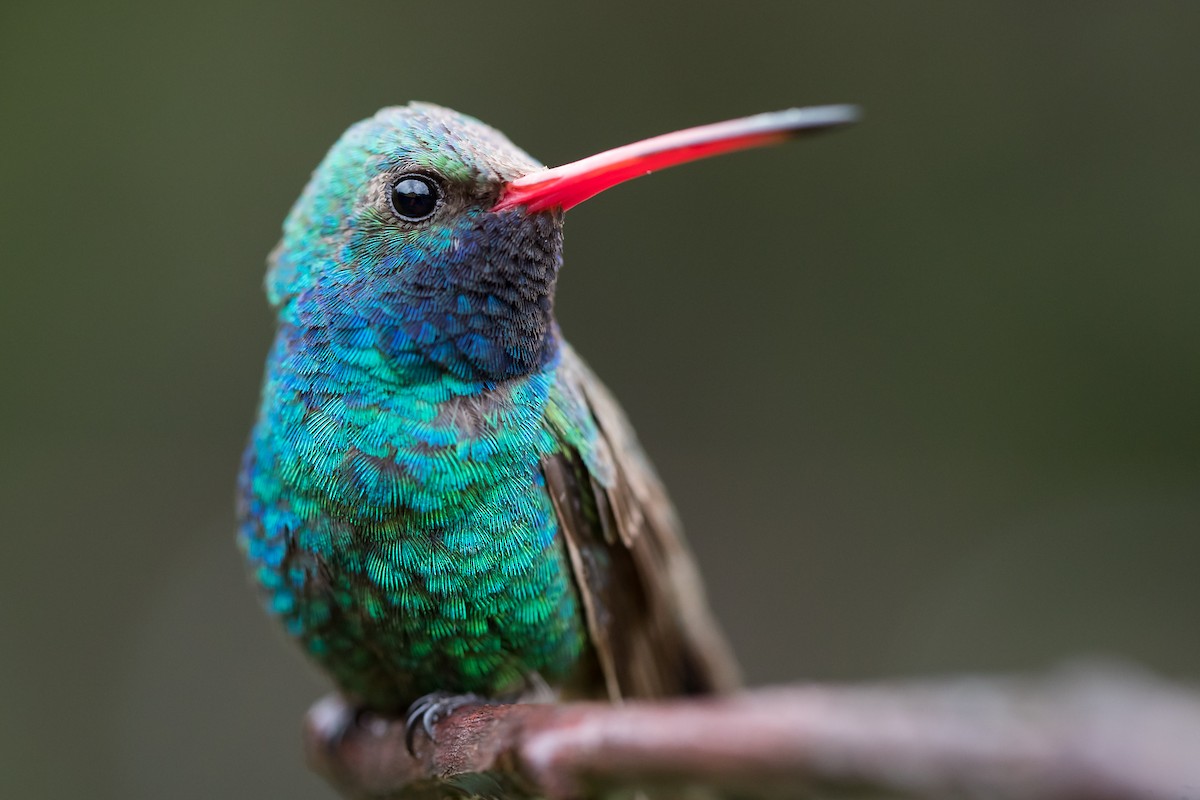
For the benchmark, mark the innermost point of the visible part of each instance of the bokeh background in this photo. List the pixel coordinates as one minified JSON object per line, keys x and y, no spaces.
{"x":926,"y":391}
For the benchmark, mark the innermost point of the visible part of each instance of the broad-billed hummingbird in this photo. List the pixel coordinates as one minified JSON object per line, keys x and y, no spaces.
{"x":439,"y":499}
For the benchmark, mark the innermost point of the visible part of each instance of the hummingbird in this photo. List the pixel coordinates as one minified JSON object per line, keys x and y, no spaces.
{"x":439,"y":500}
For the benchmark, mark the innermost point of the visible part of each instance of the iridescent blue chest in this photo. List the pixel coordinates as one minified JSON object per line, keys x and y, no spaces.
{"x":403,"y":531}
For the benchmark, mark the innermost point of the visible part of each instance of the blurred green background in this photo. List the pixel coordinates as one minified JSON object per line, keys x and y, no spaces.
{"x":926,"y":391}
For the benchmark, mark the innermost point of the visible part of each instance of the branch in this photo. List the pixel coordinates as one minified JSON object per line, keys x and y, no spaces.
{"x":1076,"y":735}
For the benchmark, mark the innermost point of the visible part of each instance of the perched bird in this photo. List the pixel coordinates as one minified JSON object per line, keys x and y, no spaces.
{"x":439,"y":499}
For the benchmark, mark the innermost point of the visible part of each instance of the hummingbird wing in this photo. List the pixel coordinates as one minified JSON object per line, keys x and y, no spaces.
{"x":646,"y":612}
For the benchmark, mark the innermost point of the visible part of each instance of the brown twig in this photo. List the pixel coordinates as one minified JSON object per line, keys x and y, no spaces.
{"x":1077,"y":735}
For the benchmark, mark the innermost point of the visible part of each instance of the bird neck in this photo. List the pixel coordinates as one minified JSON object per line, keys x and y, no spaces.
{"x":481,"y":310}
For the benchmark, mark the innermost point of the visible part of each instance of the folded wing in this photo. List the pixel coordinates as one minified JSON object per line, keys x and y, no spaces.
{"x":646,"y":613}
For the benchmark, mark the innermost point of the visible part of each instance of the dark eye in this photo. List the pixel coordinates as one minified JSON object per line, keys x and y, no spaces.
{"x":414,"y":197}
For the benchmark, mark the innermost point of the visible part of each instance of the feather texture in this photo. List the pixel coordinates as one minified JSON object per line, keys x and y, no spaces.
{"x":643,"y":599}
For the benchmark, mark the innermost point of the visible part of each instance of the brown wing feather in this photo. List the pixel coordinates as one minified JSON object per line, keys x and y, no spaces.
{"x":647,"y":615}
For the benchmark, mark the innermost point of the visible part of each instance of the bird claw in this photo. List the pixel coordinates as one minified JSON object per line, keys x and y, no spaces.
{"x":431,"y":709}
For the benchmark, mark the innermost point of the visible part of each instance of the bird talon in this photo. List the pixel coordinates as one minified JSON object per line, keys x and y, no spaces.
{"x":431,"y":709}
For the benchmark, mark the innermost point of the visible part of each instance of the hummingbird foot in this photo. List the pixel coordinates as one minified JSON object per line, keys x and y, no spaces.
{"x":427,"y":711}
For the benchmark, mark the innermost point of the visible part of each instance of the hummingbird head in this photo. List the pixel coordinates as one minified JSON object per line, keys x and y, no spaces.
{"x":428,"y":238}
{"x":394,"y":243}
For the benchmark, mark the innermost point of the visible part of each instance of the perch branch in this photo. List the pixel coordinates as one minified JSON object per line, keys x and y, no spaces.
{"x":1075,"y":735}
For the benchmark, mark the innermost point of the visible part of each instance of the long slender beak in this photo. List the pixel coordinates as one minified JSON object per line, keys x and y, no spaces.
{"x":569,"y":185}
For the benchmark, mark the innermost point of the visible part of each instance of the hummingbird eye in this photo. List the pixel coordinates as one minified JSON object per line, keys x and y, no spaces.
{"x":415,"y":197}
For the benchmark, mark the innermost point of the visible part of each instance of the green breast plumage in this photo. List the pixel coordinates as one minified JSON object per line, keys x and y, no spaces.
{"x":404,"y":534}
